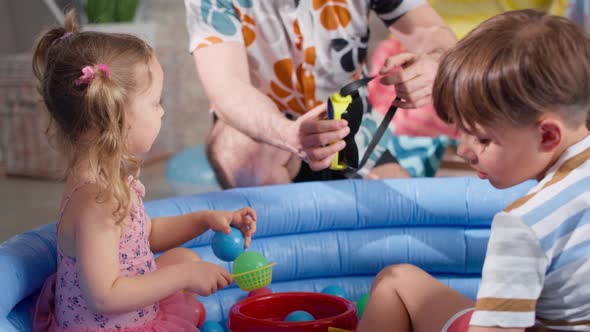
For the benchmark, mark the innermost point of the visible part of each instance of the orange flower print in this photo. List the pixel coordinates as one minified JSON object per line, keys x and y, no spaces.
{"x":306,"y":85}
{"x":284,"y":89}
{"x":295,"y":89}
{"x":211,"y":40}
{"x":247,"y":30}
{"x":248,"y":26}
{"x":306,"y":79}
{"x":333,"y":13}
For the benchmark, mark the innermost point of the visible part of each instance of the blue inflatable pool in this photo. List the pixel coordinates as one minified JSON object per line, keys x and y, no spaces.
{"x":319,"y":234}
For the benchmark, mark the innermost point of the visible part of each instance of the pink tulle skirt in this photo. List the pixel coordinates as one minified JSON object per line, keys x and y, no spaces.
{"x":177,"y":313}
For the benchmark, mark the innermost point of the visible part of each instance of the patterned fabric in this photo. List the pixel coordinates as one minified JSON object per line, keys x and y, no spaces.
{"x":62,"y":307}
{"x":301,"y":51}
{"x":419,"y":156}
{"x":537,"y":263}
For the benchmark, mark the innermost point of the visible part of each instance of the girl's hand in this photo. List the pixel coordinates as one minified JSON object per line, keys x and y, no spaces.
{"x":206,"y":278}
{"x":243,"y":219}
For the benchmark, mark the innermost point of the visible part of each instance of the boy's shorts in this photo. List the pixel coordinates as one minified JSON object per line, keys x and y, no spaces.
{"x":459,"y":322}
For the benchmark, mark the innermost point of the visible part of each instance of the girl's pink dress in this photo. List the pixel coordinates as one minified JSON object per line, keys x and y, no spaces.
{"x":62,"y":307}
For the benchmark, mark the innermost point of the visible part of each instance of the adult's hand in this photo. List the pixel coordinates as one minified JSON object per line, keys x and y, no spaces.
{"x":412,"y":75}
{"x":318,"y":139}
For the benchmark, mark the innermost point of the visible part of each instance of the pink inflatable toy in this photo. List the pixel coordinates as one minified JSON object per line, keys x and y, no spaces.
{"x":415,"y":122}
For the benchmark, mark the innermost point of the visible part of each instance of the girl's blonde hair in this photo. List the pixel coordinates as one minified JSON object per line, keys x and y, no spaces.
{"x":88,"y":121}
{"x":513,"y":67}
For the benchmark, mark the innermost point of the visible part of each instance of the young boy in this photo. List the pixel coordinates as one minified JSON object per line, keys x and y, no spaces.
{"x":518,"y":87}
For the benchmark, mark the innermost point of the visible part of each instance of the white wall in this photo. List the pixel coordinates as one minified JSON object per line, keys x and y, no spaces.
{"x":21,"y":22}
{"x":7,"y":40}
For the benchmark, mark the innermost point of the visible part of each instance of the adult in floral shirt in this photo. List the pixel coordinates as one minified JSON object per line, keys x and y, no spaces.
{"x":269,"y":66}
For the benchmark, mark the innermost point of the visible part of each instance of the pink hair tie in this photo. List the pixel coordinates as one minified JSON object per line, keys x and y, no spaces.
{"x":66,"y":35}
{"x":104,"y":69}
{"x":89,"y":73}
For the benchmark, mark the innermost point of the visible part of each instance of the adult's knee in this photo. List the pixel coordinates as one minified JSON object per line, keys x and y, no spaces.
{"x":230,"y":153}
{"x":239,"y":161}
{"x":214,"y":151}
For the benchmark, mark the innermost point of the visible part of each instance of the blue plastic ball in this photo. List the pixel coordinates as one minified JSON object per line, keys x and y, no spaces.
{"x":228,"y":247}
{"x":336,"y":291}
{"x":211,"y":326}
{"x":299,"y":316}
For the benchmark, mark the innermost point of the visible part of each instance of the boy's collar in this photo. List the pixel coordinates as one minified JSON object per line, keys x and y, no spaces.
{"x":569,"y":153}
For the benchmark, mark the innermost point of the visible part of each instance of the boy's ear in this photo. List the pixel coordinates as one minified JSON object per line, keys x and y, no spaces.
{"x":550,"y":131}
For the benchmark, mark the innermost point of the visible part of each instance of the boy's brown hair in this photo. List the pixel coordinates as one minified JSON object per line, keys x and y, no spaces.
{"x":513,"y":67}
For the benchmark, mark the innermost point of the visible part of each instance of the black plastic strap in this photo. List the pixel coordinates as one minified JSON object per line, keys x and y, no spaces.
{"x":351,"y":172}
{"x":378,"y":134}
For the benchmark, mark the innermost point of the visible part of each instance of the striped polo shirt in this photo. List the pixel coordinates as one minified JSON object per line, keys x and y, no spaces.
{"x":537,"y":267}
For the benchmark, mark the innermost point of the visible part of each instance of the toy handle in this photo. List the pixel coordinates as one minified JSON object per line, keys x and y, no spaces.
{"x":337,"y":106}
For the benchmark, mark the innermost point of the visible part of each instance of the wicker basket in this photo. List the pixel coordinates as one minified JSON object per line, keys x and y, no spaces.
{"x":24,"y":148}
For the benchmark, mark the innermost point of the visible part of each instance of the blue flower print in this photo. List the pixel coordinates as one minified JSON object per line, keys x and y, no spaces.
{"x":219,"y":14}
{"x":245,"y":3}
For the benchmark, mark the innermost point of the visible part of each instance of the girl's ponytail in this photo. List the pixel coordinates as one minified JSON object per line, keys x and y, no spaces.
{"x":48,"y":46}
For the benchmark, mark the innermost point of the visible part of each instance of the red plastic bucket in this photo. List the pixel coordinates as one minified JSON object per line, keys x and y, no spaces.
{"x":266,"y":313}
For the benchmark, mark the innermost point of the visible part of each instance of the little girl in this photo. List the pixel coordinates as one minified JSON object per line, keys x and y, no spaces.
{"x":103,"y":93}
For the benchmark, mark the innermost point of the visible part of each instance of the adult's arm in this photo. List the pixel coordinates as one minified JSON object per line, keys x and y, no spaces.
{"x":223,"y":69}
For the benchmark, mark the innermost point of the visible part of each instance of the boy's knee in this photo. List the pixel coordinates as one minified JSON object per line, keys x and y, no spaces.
{"x":397,"y":273}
